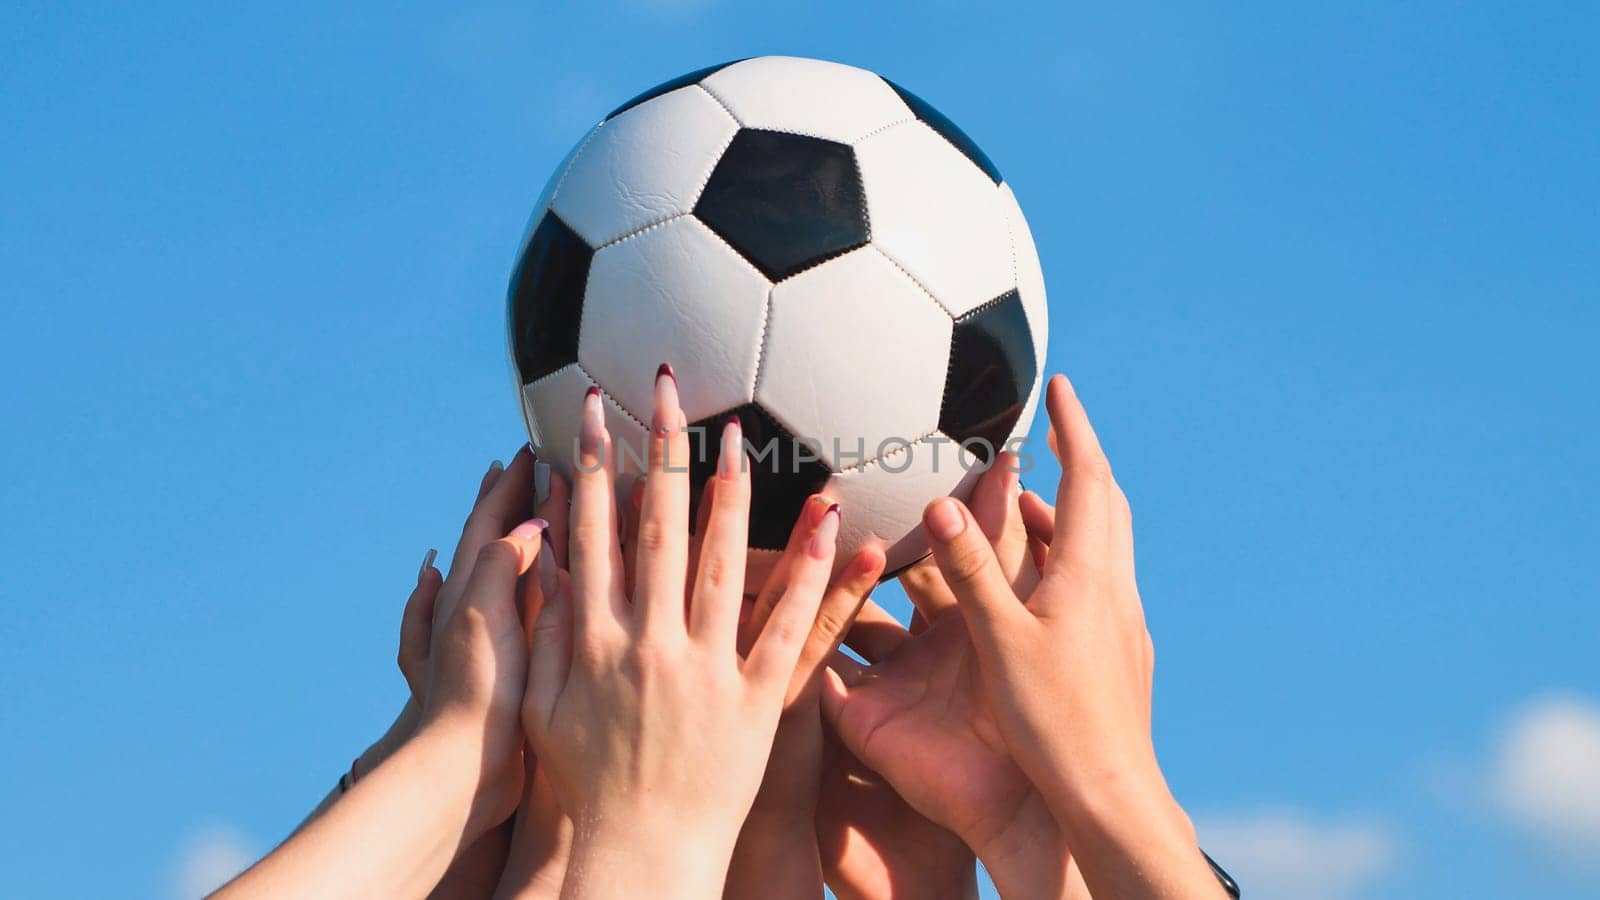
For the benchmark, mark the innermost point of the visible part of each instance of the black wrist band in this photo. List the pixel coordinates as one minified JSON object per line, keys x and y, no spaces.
{"x":1228,"y":884}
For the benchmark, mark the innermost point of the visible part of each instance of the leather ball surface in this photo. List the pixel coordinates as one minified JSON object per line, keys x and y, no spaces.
{"x":815,"y":250}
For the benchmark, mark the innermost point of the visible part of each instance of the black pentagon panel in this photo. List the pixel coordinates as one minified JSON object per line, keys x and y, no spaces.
{"x":670,"y":84}
{"x":948,"y":130}
{"x":785,"y":201}
{"x":991,"y":372}
{"x":547,"y":299}
{"x":783,"y":472}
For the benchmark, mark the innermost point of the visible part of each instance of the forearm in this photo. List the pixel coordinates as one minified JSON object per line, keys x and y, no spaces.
{"x":1135,"y":841}
{"x":775,"y":861}
{"x":541,"y":844}
{"x":476,"y":870}
{"x":393,"y":835}
{"x":1029,"y":860}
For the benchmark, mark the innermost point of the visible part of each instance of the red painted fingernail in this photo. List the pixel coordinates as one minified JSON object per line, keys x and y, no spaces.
{"x":666,"y":369}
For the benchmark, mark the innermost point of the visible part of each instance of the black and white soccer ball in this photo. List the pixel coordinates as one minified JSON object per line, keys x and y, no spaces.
{"x":815,"y":250}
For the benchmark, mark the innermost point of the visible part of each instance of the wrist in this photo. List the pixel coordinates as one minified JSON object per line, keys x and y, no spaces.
{"x":1029,"y":857}
{"x":454,"y":754}
{"x":623,"y":857}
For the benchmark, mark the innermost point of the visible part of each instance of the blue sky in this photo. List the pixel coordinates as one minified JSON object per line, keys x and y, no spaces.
{"x":1325,"y":275}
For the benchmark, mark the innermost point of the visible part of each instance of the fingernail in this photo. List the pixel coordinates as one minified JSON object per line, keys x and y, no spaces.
{"x":541,"y":480}
{"x":944,"y":520}
{"x":666,"y":412}
{"x":827,"y":533}
{"x":730,"y":457}
{"x":427,"y":562}
{"x":593,"y":424}
{"x":529,"y":529}
{"x":496,"y":465}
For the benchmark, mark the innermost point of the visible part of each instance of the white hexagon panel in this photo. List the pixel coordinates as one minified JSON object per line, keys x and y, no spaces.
{"x":807,"y":96}
{"x":855,"y":357}
{"x":645,"y":165}
{"x":937,"y":215}
{"x":674,"y":293}
{"x":556,"y":405}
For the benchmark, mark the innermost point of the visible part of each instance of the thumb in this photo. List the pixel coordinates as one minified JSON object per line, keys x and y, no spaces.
{"x":970,"y":568}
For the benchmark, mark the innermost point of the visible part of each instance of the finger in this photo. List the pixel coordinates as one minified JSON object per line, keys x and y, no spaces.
{"x":1038,"y":517}
{"x":416,"y":625}
{"x":499,"y":564}
{"x":855,"y":713}
{"x":841,"y":602}
{"x":504,"y":504}
{"x":994,"y":508}
{"x":970,"y":568}
{"x":554,"y":509}
{"x":876,"y":634}
{"x":1083,"y":499}
{"x":777,"y":647}
{"x":926,"y":589}
{"x":593,"y":552}
{"x":719,"y":573}
{"x":778,"y":578}
{"x":663,"y":555}
{"x":489,"y":478}
{"x":550,"y":655}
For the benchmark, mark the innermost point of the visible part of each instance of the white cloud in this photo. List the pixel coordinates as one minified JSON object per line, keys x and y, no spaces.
{"x":1546,"y":773}
{"x":1289,"y":855}
{"x":207,"y":860}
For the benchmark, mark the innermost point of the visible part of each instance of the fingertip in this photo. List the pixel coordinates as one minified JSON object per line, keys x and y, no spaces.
{"x":427,"y":564}
{"x":946,"y":519}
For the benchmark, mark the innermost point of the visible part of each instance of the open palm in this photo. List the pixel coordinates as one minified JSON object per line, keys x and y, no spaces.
{"x":919,"y":719}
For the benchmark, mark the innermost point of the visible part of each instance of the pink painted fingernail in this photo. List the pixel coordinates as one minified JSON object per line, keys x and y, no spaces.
{"x":944,"y":520}
{"x":529,"y":529}
{"x":822,"y":540}
{"x":730,"y":458}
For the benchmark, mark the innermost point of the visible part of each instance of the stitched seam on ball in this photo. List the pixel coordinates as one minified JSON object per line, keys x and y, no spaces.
{"x":861,"y":180}
{"x":562,"y":179}
{"x":725,"y":108}
{"x":711,"y":169}
{"x":903,"y":447}
{"x":607,"y":395}
{"x":882,"y":128}
{"x":642,"y":229}
{"x":1016,"y":279}
{"x":920,"y":286}
{"x":761,"y":342}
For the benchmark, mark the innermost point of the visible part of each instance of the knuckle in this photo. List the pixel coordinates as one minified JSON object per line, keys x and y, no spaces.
{"x":653,"y":534}
{"x":715,"y":571}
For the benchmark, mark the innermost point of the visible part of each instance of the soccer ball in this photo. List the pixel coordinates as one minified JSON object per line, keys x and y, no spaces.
{"x":814,"y":249}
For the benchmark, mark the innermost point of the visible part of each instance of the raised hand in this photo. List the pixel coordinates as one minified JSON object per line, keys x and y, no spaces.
{"x":653,"y":729}
{"x":1066,"y":670}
